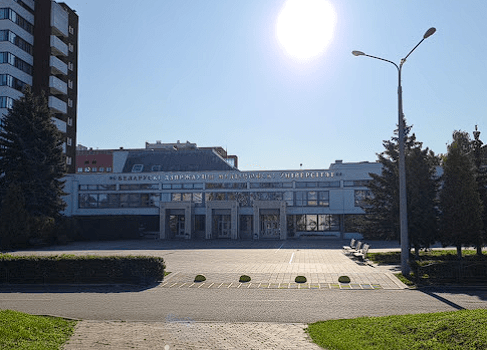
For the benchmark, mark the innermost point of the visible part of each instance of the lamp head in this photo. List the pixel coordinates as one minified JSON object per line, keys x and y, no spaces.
{"x":358,"y":53}
{"x":429,"y":32}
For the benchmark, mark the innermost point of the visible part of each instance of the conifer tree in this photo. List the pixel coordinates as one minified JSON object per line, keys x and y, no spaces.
{"x":460,"y":205}
{"x":31,"y":156}
{"x":382,"y":208}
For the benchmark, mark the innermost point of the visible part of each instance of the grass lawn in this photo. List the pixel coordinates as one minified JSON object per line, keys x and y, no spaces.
{"x":23,"y":331}
{"x":462,"y":330}
{"x":426,"y":256}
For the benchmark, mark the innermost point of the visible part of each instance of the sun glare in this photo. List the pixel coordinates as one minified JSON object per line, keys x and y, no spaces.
{"x":305,"y":27}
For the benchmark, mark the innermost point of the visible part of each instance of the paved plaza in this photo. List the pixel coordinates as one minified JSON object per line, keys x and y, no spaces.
{"x":272,"y":265}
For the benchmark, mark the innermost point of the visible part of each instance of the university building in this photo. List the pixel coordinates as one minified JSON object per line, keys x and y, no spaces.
{"x":39,"y":47}
{"x":181,"y":191}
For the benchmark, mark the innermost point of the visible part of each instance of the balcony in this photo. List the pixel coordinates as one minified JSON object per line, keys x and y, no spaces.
{"x":58,"y":66}
{"x":58,"y":48}
{"x":57,"y":105}
{"x":60,"y":124}
{"x":59,"y":20}
{"x":57,"y":86}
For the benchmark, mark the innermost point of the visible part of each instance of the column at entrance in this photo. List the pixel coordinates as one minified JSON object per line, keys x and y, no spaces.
{"x":221,"y":220}
{"x":175,"y":220}
{"x":270,"y":220}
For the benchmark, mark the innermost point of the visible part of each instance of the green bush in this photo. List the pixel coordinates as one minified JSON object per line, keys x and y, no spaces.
{"x":81,"y":269}
{"x":344,"y":279}
{"x":300,"y":279}
{"x":244,"y":278}
{"x":200,"y":278}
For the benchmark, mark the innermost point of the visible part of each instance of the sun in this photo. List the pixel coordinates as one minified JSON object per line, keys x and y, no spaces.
{"x":305,"y":27}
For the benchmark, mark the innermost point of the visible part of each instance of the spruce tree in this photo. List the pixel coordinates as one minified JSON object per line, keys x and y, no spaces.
{"x":382,"y":208}
{"x":31,"y":156}
{"x":460,"y":205}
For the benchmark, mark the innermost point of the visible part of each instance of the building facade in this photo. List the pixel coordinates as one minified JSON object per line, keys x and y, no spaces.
{"x":196,"y":194}
{"x":39,"y":47}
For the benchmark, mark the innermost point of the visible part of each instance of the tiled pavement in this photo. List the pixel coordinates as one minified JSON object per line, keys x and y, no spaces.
{"x":271,"y":265}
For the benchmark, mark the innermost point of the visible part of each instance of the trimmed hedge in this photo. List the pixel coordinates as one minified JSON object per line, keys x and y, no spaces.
{"x":88,"y":269}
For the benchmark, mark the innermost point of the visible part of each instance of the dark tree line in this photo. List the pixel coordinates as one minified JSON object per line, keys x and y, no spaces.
{"x":31,"y":168}
{"x":445,"y":204}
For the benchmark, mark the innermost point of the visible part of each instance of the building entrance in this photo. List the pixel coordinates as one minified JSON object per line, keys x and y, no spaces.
{"x":270,"y":226}
{"x":223,"y":226}
{"x":177,"y":225}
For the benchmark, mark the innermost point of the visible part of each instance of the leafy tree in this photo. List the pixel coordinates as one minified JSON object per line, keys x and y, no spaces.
{"x":31,"y":156}
{"x":460,"y":205}
{"x":382,"y":208}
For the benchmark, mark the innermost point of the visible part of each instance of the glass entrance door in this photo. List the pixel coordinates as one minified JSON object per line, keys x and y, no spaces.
{"x":270,"y":226}
{"x":223,"y":226}
{"x":177,"y":225}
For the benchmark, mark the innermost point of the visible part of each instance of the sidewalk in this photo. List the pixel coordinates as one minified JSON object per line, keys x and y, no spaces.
{"x":187,"y":335}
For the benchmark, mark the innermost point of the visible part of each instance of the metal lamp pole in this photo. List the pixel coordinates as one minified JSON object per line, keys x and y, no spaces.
{"x":403,"y":216}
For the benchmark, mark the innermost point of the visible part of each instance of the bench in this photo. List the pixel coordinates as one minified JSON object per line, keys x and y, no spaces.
{"x":351,"y":246}
{"x":354,"y":250}
{"x":362,"y":254}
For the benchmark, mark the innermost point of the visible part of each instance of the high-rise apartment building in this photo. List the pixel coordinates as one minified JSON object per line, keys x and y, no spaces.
{"x":39,"y":47}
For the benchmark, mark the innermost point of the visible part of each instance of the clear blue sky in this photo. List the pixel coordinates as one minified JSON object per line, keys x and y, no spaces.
{"x":213,"y":72}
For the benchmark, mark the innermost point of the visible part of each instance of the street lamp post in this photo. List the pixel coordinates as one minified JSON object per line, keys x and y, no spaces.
{"x":403,"y":216}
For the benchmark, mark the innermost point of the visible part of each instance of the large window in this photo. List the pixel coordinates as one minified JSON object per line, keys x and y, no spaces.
{"x":8,"y":80}
{"x":7,"y":57}
{"x":7,"y":35}
{"x":6,"y":102}
{"x":312,"y":198}
{"x":355,"y":183}
{"x":117,"y":200}
{"x":7,"y":13}
{"x":360,"y":196}
{"x":313,"y":223}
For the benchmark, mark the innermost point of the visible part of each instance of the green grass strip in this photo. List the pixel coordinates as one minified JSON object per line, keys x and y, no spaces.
{"x":457,"y":330}
{"x":21,"y":331}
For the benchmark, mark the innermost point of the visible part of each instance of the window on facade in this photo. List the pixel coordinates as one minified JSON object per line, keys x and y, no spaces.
{"x":80,"y":170}
{"x":329,"y":184}
{"x":7,"y":57}
{"x":311,"y":198}
{"x":198,"y":197}
{"x":6,"y":102}
{"x":70,"y":84}
{"x":360,"y":196}
{"x":355,"y":183}
{"x":71,"y":30}
{"x":70,"y":47}
{"x":70,"y":102}
{"x":68,"y":160}
{"x":324,"y":198}
{"x":313,"y":223}
{"x":10,"y":81}
{"x":288,"y":198}
{"x":7,"y":13}
{"x":137,"y":168}
{"x":7,"y":35}
{"x":69,"y":141}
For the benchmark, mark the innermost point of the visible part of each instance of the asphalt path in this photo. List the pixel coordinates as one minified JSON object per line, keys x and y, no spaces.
{"x":128,"y":303}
